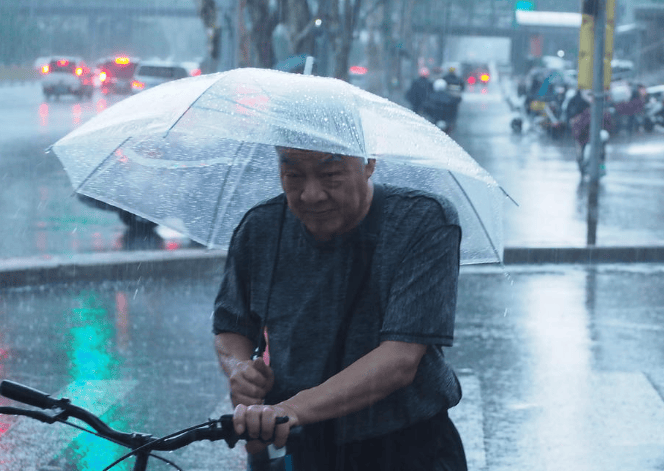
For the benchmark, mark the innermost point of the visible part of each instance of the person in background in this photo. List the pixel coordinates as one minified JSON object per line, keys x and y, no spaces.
{"x":419,"y":90}
{"x":452,"y":79}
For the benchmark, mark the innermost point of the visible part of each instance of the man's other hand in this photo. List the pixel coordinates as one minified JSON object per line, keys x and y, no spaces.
{"x":260,"y":423}
{"x":250,"y":381}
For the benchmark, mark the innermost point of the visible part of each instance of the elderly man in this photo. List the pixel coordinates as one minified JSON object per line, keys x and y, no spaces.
{"x":354,"y":286}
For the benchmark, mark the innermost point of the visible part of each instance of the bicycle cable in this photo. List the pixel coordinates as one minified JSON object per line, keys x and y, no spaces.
{"x":158,"y":440}
{"x":97,"y":434}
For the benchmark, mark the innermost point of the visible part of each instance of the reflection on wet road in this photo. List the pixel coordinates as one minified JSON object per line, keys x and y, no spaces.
{"x":561,"y":367}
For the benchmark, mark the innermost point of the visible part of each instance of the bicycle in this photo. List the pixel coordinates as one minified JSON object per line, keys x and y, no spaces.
{"x":141,"y":445}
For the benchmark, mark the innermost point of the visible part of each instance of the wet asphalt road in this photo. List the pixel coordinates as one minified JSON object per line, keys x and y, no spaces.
{"x":561,"y":366}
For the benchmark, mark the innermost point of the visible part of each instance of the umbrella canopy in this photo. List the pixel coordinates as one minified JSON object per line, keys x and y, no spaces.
{"x":195,"y":154}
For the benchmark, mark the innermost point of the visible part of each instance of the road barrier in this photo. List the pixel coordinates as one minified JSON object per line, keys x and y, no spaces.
{"x":16,"y":74}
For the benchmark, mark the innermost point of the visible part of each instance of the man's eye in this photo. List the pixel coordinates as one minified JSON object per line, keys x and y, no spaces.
{"x":331,"y":174}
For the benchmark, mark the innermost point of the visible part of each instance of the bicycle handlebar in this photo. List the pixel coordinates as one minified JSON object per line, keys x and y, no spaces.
{"x":61,"y":409}
{"x":27,"y":395}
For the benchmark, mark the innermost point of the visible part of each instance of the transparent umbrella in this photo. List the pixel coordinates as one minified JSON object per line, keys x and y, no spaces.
{"x":195,"y":154}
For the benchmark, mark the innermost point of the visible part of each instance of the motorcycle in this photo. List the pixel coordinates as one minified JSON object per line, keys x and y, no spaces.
{"x":441,"y":107}
{"x":544,"y":112}
{"x":654,"y":114}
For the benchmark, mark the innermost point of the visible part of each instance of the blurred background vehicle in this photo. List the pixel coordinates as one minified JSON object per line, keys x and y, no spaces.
{"x":66,"y":75}
{"x":441,"y":107}
{"x":134,"y":223}
{"x":475,"y":73}
{"x":115,"y":74}
{"x":654,"y":107}
{"x":149,"y":74}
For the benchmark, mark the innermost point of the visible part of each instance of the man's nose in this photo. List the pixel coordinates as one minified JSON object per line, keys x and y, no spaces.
{"x":313,"y":191}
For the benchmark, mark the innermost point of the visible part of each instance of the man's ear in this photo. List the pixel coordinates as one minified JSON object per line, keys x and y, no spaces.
{"x":369,"y":168}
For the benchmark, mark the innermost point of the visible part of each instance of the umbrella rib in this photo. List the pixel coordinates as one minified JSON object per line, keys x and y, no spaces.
{"x":216,"y":207}
{"x":463,"y":190}
{"x":188,"y":108}
{"x":213,"y":228}
{"x":90,"y":174}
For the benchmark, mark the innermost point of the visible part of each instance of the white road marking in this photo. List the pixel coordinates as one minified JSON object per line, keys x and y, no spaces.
{"x":29,"y":445}
{"x":469,"y":421}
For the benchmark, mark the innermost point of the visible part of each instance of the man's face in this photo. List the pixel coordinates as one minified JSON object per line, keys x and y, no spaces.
{"x":329,"y":193}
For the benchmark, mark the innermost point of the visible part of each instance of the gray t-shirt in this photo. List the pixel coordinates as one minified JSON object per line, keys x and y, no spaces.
{"x":409,"y":296}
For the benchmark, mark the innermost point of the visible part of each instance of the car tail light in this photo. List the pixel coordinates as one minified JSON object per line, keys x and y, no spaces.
{"x":484,"y":78}
{"x":357,"y":70}
{"x":63,"y":62}
{"x":122,"y":60}
{"x":102,"y":76}
{"x":136,"y":85}
{"x":78,"y":71}
{"x":45,"y":69}
{"x":471,"y":80}
{"x":195,"y":72}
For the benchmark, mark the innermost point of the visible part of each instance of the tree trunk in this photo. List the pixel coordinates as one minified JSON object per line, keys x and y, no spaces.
{"x":262,"y":26}
{"x":298,"y":21}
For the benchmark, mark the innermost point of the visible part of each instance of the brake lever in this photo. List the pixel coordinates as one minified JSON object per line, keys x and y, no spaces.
{"x":48,"y":416}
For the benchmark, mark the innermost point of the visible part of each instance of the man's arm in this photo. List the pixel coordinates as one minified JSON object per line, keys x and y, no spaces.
{"x":390,"y":366}
{"x":250,"y":380}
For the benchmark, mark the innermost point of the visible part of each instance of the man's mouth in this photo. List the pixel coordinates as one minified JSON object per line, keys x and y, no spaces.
{"x":316,"y":214}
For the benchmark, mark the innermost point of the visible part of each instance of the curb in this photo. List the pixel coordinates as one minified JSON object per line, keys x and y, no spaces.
{"x":583,"y":255}
{"x":133,"y":265}
{"x":193,"y":263}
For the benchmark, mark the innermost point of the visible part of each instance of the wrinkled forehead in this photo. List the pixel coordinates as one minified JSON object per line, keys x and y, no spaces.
{"x":293,"y":156}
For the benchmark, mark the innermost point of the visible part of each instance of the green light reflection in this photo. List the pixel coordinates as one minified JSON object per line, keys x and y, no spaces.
{"x":92,"y":356}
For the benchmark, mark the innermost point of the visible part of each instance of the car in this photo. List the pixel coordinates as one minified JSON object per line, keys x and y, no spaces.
{"x":152,"y":73}
{"x":66,"y":75}
{"x":115,"y":74}
{"x":475,"y":74}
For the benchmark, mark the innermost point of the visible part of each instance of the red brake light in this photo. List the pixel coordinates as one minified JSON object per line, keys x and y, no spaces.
{"x":484,"y":78}
{"x":102,"y":76}
{"x":45,"y":69}
{"x":471,"y":80}
{"x":357,"y":70}
{"x":63,"y":62}
{"x":136,"y":85}
{"x":122,"y":60}
{"x":78,"y":71}
{"x":195,"y":72}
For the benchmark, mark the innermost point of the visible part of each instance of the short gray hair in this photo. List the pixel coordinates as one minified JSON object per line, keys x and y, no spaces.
{"x":280,"y":150}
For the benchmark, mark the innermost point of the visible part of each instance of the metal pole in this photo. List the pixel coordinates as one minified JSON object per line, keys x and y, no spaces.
{"x":596,"y":122}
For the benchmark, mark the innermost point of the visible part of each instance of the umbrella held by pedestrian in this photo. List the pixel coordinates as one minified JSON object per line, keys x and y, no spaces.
{"x":195,"y":154}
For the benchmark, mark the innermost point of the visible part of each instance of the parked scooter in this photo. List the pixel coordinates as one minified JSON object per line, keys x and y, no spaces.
{"x":583,"y":155}
{"x":654,"y":114}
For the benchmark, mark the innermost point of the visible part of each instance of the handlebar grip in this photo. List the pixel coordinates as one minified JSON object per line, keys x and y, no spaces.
{"x":26,"y":395}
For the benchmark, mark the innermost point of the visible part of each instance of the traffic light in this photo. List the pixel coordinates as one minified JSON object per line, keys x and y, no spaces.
{"x":525,"y":5}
